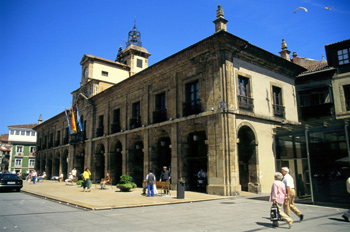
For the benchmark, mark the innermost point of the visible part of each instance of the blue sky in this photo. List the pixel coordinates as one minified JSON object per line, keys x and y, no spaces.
{"x":43,"y":41}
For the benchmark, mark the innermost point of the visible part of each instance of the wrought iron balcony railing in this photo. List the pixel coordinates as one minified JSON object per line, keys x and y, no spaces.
{"x":160,"y":115}
{"x":278,"y":110}
{"x":115,"y":127}
{"x":135,"y":122}
{"x":191,"y":107}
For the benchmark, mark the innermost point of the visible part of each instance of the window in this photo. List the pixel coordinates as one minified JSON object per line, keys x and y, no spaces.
{"x":17,"y":132}
{"x":244,"y":100}
{"x":33,"y":133}
{"x":27,"y":133}
{"x":192,"y":104}
{"x":100,"y":130}
{"x":31,"y":163}
{"x":135,"y":120}
{"x":104,"y":73}
{"x":32,"y":149}
{"x":139,"y":63}
{"x":160,"y":101}
{"x":277,"y":101}
{"x":18,"y":162}
{"x":116,"y":121}
{"x":160,"y":113}
{"x":347,"y":96}
{"x":23,"y":133}
{"x":343,"y":56}
{"x":12,"y":132}
{"x":19,"y":149}
{"x":314,"y":97}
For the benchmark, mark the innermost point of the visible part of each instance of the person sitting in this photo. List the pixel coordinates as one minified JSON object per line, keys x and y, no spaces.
{"x":70,"y":178}
{"x":60,"y":177}
{"x":105,"y":181}
{"x":43,"y":176}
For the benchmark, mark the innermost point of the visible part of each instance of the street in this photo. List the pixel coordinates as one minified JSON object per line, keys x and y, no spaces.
{"x":23,"y":212}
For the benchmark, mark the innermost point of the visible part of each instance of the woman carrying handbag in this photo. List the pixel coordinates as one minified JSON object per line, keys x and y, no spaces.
{"x":278,"y":196}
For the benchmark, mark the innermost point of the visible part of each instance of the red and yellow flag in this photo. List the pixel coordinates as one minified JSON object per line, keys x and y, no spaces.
{"x":74,"y":126}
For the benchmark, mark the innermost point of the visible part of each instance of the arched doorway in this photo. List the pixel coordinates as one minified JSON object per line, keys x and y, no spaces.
{"x":79,"y":160}
{"x":247,"y":159}
{"x":64,"y":166}
{"x":163,"y":156}
{"x":99,"y":163}
{"x":49,"y":166}
{"x":116,"y":162}
{"x":136,"y":163}
{"x":196,"y":158}
{"x":56,"y":165}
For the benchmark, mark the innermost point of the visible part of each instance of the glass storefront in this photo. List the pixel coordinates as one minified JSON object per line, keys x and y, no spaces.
{"x":318,"y":159}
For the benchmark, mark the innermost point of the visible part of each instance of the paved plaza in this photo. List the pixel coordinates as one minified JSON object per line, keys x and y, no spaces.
{"x":135,"y":212}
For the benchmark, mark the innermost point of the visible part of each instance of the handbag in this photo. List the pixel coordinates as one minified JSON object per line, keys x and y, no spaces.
{"x":274,"y":213}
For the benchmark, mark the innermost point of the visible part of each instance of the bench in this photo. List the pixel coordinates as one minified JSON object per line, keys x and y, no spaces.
{"x":108,"y":183}
{"x":162,"y":186}
{"x":74,"y":180}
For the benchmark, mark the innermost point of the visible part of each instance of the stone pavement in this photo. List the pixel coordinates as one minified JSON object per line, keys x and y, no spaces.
{"x":109,"y":198}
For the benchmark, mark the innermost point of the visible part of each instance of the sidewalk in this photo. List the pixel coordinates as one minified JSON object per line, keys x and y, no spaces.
{"x":109,"y":198}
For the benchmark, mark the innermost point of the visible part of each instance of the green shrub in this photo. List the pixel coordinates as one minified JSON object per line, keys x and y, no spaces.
{"x":125,"y":183}
{"x":80,"y":182}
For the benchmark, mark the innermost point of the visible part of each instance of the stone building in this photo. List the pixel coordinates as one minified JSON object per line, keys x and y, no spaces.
{"x":213,"y":106}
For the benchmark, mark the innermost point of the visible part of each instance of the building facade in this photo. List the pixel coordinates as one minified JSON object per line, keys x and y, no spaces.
{"x":318,"y":151}
{"x":23,"y":141}
{"x":212,"y":106}
{"x":5,"y":148}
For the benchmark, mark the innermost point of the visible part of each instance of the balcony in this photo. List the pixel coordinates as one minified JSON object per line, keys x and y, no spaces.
{"x":191,"y":107}
{"x":245,"y":103}
{"x":317,"y":111}
{"x":278,"y":110}
{"x":76,"y":138}
{"x":99,"y":132}
{"x":57,"y":143}
{"x":115,"y":127}
{"x":135,"y":122}
{"x":65,"y":140}
{"x":160,"y":115}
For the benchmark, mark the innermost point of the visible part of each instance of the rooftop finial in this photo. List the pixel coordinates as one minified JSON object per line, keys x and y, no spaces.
{"x":134,"y":36}
{"x":284,"y":44}
{"x":219,"y":12}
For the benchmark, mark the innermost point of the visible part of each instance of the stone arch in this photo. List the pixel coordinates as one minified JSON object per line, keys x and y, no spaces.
{"x":116,"y":161}
{"x":194,"y":155}
{"x":56,"y":164}
{"x":79,"y":159}
{"x":98,"y":162}
{"x":135,"y":158}
{"x":64,"y":161}
{"x":247,"y":158}
{"x":49,"y":165}
{"x":161,"y":152}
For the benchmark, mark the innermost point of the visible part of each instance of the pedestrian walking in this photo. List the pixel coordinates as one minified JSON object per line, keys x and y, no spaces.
{"x":278,"y":196}
{"x":150,"y":178}
{"x":289,"y":183}
{"x":86,"y":177}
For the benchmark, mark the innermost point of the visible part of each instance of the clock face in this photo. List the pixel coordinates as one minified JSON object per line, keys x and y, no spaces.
{"x":86,"y":71}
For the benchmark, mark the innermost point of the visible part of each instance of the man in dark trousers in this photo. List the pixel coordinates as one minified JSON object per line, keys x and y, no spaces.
{"x":165,"y":177}
{"x":150,"y":178}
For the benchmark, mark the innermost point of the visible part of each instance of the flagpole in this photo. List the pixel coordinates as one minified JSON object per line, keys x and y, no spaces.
{"x":65,"y":110}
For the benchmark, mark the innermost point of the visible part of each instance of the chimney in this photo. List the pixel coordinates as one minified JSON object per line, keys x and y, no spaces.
{"x":295,"y":58}
{"x":40,"y":120}
{"x":285,"y":53}
{"x":220,"y":21}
